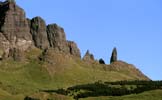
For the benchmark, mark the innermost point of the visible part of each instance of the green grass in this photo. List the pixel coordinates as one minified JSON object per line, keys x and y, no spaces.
{"x":148,"y":95}
{"x":52,"y":96}
{"x":31,"y":75}
{"x":7,"y":96}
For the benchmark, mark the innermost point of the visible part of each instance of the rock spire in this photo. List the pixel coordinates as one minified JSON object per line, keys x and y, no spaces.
{"x":88,"y":57}
{"x":113,"y":56}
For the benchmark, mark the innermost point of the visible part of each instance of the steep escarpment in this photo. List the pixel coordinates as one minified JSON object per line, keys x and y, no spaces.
{"x":14,"y":30}
{"x":57,"y":40}
{"x":18,"y":32}
{"x":19,"y":35}
{"x":36,"y":56}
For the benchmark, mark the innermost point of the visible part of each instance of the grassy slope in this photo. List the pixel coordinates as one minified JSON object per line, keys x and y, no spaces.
{"x":149,"y":95}
{"x":29,"y":76}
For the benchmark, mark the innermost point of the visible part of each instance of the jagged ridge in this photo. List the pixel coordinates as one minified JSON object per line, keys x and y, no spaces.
{"x":19,"y":32}
{"x":51,"y":61}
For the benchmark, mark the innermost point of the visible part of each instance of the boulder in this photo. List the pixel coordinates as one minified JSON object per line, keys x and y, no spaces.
{"x":101,"y":61}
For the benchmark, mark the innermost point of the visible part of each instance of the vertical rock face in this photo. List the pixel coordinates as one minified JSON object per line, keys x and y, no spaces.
{"x":88,"y":57}
{"x":73,"y":49}
{"x":14,"y":30}
{"x":56,"y":37}
{"x":16,"y":54}
{"x":57,"y":40}
{"x":18,"y":34}
{"x":113,"y":56}
{"x":4,"y":45}
{"x":38,"y":31}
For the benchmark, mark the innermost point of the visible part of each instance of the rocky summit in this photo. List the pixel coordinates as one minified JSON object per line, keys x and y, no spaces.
{"x":20,"y":33}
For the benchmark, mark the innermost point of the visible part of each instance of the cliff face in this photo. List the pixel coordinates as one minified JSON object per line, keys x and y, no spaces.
{"x":14,"y":29}
{"x":19,"y":33}
{"x":73,"y":49}
{"x":38,"y":31}
{"x":57,"y":40}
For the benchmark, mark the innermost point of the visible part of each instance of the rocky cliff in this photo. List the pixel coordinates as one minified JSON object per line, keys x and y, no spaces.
{"x":14,"y":30}
{"x":38,"y":31}
{"x":17,"y":33}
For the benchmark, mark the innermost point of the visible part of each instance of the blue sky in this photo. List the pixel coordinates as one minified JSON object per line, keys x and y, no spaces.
{"x":133,"y":26}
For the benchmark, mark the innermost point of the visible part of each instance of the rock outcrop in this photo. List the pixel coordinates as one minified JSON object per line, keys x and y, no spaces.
{"x":14,"y":30}
{"x":16,"y":54}
{"x":57,"y":37}
{"x":38,"y":31}
{"x":113,"y":56}
{"x":88,"y":57}
{"x":19,"y":33}
{"x":101,"y":61}
{"x":57,"y":40}
{"x":73,"y":49}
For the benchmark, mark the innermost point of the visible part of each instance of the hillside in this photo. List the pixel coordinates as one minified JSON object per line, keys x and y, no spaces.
{"x":35,"y":56}
{"x":149,"y":95}
{"x":60,"y":71}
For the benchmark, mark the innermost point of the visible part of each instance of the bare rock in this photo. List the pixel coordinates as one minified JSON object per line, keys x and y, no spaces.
{"x":113,"y":56}
{"x":57,"y":40}
{"x":38,"y":31}
{"x":4,"y":45}
{"x":56,"y":36}
{"x":14,"y":29}
{"x":16,"y":54}
{"x":88,"y":57}
{"x":43,"y":57}
{"x":17,"y":33}
{"x":101,"y":61}
{"x":73,"y":49}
